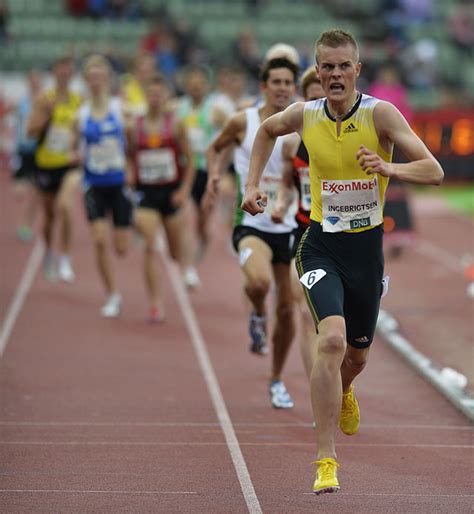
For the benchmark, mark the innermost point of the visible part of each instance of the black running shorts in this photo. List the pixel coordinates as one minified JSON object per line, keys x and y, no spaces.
{"x":199,"y":186}
{"x":102,"y":201}
{"x":157,"y":198}
{"x":280,"y":244}
{"x":343,"y":273}
{"x":50,"y":180}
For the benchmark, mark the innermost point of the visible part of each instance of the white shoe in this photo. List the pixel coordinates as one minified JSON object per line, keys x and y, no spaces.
{"x":113,"y":306}
{"x":65,"y":271}
{"x":191,"y":278}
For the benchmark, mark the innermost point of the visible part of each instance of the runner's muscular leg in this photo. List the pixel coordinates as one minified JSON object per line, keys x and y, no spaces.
{"x":354,"y":362}
{"x":99,"y":237}
{"x":257,"y":270}
{"x":65,"y":206}
{"x":146,"y":222}
{"x":284,"y":328}
{"x":48,"y":202}
{"x":326,"y":384}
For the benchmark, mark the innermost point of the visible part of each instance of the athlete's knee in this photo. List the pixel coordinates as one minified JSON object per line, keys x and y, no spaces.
{"x":332,"y":342}
{"x":121,"y":249}
{"x":284,"y":313}
{"x":258,"y":287}
{"x":356,"y":361}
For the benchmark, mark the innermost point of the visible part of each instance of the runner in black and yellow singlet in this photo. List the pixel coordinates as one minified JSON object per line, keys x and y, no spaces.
{"x":51,"y":123}
{"x":350,"y":138}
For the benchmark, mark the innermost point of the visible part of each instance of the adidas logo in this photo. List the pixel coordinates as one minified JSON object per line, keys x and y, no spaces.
{"x":350,"y":128}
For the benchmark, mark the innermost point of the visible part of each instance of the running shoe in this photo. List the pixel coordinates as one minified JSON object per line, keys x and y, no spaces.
{"x":279,"y":395}
{"x":258,"y":334}
{"x":113,"y":306}
{"x":156,"y":316}
{"x":349,"y":418}
{"x":191,"y":278}
{"x":65,"y":271}
{"x":49,"y":266}
{"x":326,"y":476}
{"x":24,"y":233}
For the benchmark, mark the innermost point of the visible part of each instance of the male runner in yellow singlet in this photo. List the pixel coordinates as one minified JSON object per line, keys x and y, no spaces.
{"x":349,"y":138}
{"x":51,"y":123}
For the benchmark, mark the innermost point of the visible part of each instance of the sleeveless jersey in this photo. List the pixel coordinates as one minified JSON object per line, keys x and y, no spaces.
{"x":343,"y":196}
{"x":301,"y":182}
{"x":270,"y":181}
{"x":53,"y":149}
{"x":199,"y":127}
{"x":103,"y":143}
{"x":157,"y":154}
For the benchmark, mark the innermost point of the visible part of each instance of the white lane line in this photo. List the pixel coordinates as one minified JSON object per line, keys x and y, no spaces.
{"x":32,"y":424}
{"x":439,"y":255}
{"x":205,"y":444}
{"x":20,"y":294}
{"x":77,"y":491}
{"x":215,"y":393}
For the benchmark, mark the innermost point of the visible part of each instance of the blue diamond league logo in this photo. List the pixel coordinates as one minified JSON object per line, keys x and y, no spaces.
{"x":332,"y":219}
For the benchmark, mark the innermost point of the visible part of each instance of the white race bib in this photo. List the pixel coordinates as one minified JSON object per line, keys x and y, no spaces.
{"x":58,"y":139}
{"x":350,"y":204}
{"x":106,"y":156}
{"x":197,"y":139}
{"x":157,"y":166}
{"x":270,"y":186}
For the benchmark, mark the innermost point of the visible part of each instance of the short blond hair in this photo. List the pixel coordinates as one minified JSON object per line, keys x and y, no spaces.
{"x":335,"y":38}
{"x":309,"y":77}
{"x":96,"y":60}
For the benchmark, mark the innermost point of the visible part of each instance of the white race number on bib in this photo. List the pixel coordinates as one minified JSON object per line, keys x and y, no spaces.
{"x":305,"y":188}
{"x":311,"y":277}
{"x":106,"y":156}
{"x":157,"y":166}
{"x":58,"y":139}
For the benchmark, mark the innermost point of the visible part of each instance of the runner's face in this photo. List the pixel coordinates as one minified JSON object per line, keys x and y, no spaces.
{"x":314,"y":91}
{"x":63,"y":73}
{"x":338,"y":71}
{"x":279,"y":88}
{"x":156,"y":97}
{"x":197,"y":86}
{"x":97,"y":79}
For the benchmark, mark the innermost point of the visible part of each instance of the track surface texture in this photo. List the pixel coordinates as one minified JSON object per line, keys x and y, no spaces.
{"x":119,"y":416}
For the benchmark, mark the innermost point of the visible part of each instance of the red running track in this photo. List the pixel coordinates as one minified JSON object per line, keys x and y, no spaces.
{"x":119,"y":416}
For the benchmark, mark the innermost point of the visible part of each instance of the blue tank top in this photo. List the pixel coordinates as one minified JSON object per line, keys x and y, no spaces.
{"x":103,"y":145}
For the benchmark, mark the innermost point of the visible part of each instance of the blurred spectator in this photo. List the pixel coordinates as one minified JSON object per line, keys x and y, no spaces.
{"x":461,"y":26}
{"x":387,"y":86}
{"x":420,"y":64}
{"x":246,"y":54}
{"x":416,"y":11}
{"x":4,"y":17}
{"x":77,"y":7}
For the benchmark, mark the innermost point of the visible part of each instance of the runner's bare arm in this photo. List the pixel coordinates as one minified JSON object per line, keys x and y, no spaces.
{"x":284,"y":194}
{"x":39,"y":117}
{"x":217,"y":155}
{"x":393,"y":129}
{"x":280,"y":124}
{"x":185,"y":146}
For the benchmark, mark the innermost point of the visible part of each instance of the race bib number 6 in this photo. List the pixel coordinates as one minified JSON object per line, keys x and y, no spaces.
{"x":312,"y":277}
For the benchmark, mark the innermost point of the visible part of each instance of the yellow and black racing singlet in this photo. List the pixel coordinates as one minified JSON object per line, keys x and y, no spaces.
{"x":53,"y":150}
{"x":343,"y":196}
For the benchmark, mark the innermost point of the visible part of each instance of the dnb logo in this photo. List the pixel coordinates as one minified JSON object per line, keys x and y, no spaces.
{"x":332,"y":219}
{"x":362,"y":223}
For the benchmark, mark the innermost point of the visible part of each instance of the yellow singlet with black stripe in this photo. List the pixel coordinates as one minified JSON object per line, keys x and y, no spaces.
{"x":54,"y":150}
{"x":343,"y":196}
